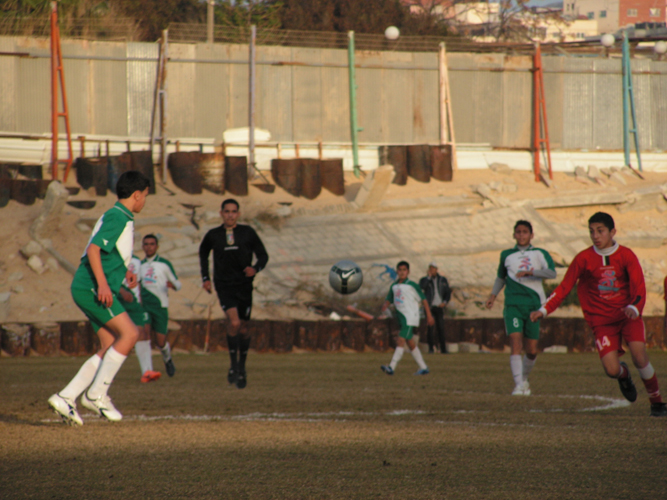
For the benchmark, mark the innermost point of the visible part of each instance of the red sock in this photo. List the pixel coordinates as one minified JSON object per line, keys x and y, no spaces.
{"x":653,"y":389}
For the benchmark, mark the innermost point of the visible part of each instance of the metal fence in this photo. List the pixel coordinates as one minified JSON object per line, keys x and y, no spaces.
{"x":302,"y":94}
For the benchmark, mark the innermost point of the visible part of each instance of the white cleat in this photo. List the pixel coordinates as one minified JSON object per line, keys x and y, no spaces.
{"x":66,"y":409}
{"x":102,"y":406}
{"x":522,"y":389}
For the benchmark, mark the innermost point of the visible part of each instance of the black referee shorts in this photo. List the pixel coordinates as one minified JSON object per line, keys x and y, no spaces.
{"x":237,"y":297}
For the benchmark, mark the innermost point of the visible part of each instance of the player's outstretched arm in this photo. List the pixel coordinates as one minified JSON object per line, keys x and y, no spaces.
{"x":429,"y":317}
{"x":498,"y":285}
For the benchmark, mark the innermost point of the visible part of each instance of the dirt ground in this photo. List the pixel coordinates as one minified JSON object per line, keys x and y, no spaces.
{"x":332,"y":426}
{"x":45,"y":297}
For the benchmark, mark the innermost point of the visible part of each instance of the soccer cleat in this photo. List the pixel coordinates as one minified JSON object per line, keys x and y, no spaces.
{"x":627,"y":386}
{"x":387,"y":369}
{"x":526,"y":388}
{"x":150,"y":376}
{"x":658,"y":410}
{"x":65,"y":409}
{"x":231,"y":376}
{"x":423,"y":371}
{"x":169,"y":366}
{"x":522,"y":389}
{"x":241,"y":380}
{"x":102,"y":406}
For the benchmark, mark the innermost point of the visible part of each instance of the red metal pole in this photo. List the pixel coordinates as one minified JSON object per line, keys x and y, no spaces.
{"x":54,"y":93}
{"x":536,"y":113}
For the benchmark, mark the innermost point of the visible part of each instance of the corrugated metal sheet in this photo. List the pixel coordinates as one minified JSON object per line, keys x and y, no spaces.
{"x":33,"y":89}
{"x":112,"y":94}
{"x":141,"y":79}
{"x":659,"y":107}
{"x":7,"y":85}
{"x":607,"y":105}
{"x":577,"y":110}
{"x":108,"y":103}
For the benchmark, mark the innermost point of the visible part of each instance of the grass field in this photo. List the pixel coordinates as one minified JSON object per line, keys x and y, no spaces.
{"x":335,"y":426}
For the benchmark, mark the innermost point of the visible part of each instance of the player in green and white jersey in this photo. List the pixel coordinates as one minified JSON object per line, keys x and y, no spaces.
{"x":95,"y":290}
{"x":521,"y":272}
{"x":157,"y":276}
{"x":407,"y":297}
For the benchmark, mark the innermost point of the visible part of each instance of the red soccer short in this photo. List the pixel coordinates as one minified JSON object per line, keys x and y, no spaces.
{"x":608,"y":337}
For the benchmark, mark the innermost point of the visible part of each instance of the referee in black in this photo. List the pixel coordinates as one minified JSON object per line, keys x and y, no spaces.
{"x":233,"y":247}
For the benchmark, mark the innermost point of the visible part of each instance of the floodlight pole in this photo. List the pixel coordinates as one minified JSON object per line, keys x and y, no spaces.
{"x":354,"y":129}
{"x":629,"y":106}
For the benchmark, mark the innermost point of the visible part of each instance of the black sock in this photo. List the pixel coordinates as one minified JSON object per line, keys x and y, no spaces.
{"x":233,"y":346}
{"x":244,"y":345}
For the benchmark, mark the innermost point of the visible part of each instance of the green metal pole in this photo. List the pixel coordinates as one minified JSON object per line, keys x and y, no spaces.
{"x":353,"y":103}
{"x":629,"y":106}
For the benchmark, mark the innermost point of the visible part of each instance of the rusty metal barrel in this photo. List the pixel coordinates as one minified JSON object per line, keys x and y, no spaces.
{"x":287,"y":175}
{"x":45,"y":339}
{"x":397,"y":156}
{"x":212,"y":171}
{"x":419,"y":162}
{"x":141,"y":161}
{"x":236,"y":175}
{"x":311,"y":182}
{"x":331,"y":173}
{"x":441,"y":162}
{"x":24,"y":191}
{"x":5,"y":191}
{"x":30,"y":171}
{"x":183,"y":169}
{"x":92,"y":172}
{"x":15,"y":339}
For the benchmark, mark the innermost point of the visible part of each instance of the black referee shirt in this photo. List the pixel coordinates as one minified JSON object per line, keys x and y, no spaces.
{"x":230,"y":258}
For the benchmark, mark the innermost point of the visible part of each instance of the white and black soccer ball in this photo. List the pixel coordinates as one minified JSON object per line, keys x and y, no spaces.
{"x":345,"y":277}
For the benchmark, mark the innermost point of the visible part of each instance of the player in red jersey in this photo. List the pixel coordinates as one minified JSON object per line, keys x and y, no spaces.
{"x":612,"y":295}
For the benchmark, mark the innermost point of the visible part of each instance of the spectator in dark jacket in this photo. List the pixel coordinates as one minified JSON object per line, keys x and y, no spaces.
{"x":437,"y":291}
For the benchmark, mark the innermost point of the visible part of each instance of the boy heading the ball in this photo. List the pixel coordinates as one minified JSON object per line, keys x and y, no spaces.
{"x":612,"y":294}
{"x":406,"y":296}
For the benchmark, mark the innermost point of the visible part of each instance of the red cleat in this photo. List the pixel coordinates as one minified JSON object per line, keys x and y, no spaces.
{"x":150,"y":376}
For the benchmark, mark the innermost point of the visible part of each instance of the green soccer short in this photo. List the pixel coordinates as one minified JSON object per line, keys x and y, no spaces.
{"x":517,"y":319}
{"x":137,"y":313}
{"x":98,"y":314}
{"x":158,"y":317}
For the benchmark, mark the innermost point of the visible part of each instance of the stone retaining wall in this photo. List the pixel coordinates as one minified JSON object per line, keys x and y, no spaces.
{"x":78,"y":339}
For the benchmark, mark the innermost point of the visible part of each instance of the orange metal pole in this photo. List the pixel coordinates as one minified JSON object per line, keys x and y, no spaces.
{"x":54,"y":94}
{"x":536,"y":114}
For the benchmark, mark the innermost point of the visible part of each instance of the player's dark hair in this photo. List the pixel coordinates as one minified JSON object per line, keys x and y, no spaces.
{"x":524,"y":223}
{"x":403,"y":263}
{"x":229,"y":200}
{"x":602,"y":218}
{"x":129,"y":182}
{"x":149,"y":236}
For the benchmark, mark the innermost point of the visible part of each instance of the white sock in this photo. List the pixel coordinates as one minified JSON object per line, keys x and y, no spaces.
{"x":517,"y":368}
{"x":398,"y":354}
{"x":647,"y":372}
{"x":111,"y":363}
{"x":143,"y":350}
{"x":166,"y":352}
{"x":527,"y":366}
{"x":417,"y":355}
{"x":82,"y":379}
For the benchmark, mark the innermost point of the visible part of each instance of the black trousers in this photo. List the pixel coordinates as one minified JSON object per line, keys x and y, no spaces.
{"x":438,"y":329}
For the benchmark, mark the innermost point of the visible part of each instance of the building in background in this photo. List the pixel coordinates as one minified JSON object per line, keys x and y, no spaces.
{"x":612,"y":15}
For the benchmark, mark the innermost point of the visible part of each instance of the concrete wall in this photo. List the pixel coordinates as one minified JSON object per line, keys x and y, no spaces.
{"x":303,"y":94}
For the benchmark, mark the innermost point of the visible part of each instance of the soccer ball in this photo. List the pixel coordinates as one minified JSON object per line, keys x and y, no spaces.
{"x":345,"y":277}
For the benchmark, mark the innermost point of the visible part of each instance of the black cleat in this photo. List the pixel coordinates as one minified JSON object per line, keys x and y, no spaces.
{"x":231,"y":376}
{"x":241,"y":380}
{"x":658,"y":410}
{"x":627,"y":386}
{"x":169,"y":366}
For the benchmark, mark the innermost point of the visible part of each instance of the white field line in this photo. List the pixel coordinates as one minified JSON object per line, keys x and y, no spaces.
{"x":342,"y":416}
